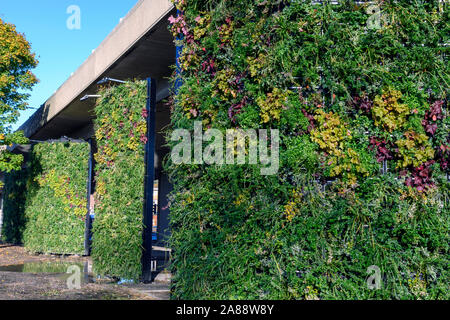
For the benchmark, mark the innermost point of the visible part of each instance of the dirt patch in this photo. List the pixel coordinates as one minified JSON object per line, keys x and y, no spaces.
{"x":40,"y":286}
{"x":12,"y":255}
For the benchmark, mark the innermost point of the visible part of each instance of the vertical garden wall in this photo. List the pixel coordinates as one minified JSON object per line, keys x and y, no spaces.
{"x":359,"y":95}
{"x":45,"y":202}
{"x":119,"y":174}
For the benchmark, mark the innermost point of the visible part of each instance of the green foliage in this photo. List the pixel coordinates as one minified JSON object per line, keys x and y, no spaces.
{"x":119,"y":173}
{"x":16,"y":62}
{"x":14,"y":197}
{"x":45,"y":202}
{"x":300,"y":154}
{"x":346,"y":98}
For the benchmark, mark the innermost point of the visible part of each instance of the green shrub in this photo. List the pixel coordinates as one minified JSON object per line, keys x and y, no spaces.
{"x":348,"y":100}
{"x":119,"y":173}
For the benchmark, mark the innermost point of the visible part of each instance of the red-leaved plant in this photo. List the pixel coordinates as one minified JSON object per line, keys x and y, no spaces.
{"x":382,"y":148}
{"x":432,"y":116}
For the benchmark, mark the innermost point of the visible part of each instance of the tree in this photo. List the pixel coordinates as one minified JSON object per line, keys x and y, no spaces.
{"x":16,"y":62}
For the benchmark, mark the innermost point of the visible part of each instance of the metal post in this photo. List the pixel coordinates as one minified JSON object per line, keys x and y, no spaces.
{"x":149,"y":180}
{"x":87,"y":230}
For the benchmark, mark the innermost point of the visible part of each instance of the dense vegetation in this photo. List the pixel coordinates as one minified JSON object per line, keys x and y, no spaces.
{"x":361,"y":102}
{"x":14,"y":197}
{"x":119,"y":173}
{"x":45,"y":202}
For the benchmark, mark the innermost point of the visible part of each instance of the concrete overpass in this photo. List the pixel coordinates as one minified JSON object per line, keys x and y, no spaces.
{"x":140,"y":46}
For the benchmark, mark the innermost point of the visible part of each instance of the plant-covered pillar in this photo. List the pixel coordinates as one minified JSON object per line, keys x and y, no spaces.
{"x":45,"y":202}
{"x":121,"y":134}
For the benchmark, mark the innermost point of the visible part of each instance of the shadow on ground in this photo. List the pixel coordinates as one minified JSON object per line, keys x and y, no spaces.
{"x":22,"y":277}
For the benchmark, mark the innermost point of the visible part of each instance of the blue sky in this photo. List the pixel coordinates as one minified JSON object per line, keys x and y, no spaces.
{"x":60,"y":50}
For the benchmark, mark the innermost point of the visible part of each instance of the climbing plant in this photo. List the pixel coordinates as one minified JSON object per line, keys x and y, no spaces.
{"x":359,"y":94}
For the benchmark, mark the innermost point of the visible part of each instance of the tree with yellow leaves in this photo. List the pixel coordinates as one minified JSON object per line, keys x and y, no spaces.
{"x":16,"y":62}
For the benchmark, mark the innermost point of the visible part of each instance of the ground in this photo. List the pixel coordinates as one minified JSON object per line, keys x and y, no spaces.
{"x":46,"y":286}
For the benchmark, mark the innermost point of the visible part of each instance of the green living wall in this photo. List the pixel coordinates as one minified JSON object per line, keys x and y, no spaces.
{"x":45,"y":202}
{"x":119,"y":174}
{"x":359,"y":95}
